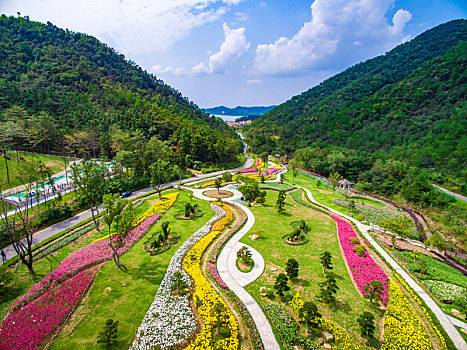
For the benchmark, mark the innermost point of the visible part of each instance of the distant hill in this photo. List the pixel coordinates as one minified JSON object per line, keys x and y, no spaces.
{"x":409,"y":105}
{"x":239,"y":110}
{"x":61,"y":88}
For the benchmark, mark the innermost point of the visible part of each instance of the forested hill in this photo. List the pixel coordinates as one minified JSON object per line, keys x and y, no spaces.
{"x":408,"y":104}
{"x":65,"y":89}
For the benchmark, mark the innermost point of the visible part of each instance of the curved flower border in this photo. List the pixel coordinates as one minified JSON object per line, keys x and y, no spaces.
{"x":170,"y":320}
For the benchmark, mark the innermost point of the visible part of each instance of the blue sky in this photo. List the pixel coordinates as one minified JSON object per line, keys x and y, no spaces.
{"x":244,"y":52}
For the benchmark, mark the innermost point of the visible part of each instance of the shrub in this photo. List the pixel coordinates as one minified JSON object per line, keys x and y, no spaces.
{"x":354,"y":240}
{"x":359,"y":250}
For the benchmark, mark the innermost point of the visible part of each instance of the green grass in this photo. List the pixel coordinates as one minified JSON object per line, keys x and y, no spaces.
{"x":56,"y":164}
{"x":276,"y":186}
{"x":323,"y":236}
{"x":126,"y":295}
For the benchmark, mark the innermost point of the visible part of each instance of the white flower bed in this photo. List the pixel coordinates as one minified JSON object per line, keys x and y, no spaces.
{"x":445,"y":291}
{"x":170,"y":320}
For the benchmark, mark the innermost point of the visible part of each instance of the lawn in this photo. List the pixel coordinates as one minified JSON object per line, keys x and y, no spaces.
{"x":55,"y":164}
{"x":271,"y":226}
{"x":125,"y":295}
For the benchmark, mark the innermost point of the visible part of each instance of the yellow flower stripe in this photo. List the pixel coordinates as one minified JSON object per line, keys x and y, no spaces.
{"x":424,"y":310}
{"x":211,"y":184}
{"x":261,"y":164}
{"x":402,"y":327}
{"x":157,"y":207}
{"x":344,"y":340}
{"x":208,"y":296}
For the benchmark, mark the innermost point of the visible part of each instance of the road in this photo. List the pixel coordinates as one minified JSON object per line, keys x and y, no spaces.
{"x":57,"y":228}
{"x":461,"y":197}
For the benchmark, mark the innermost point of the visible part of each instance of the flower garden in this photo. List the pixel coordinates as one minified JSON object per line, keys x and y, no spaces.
{"x":208,"y":315}
{"x":403,"y":328}
{"x":51,"y":301}
{"x":364,"y":269}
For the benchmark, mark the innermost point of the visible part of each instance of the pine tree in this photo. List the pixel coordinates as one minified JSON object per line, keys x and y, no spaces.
{"x":109,"y":334}
{"x":326,"y":261}
{"x":328,"y":289}
{"x":280,"y":202}
{"x":281,"y":284}
{"x":292,"y":268}
{"x":309,"y":315}
{"x":367,"y":325}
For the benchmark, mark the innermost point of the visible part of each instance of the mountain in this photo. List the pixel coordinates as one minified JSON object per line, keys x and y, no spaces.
{"x":239,"y":110}
{"x":63,"y":88}
{"x":408,"y":105}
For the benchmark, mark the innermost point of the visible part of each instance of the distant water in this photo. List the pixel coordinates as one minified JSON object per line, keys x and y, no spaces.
{"x":228,"y":118}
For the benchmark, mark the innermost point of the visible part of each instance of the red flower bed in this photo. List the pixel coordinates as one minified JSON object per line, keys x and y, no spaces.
{"x":86,"y":257}
{"x":364,"y":269}
{"x":32,"y":326}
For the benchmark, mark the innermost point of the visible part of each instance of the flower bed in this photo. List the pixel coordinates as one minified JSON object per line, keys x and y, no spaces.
{"x":63,"y":242}
{"x":33,"y":325}
{"x":97,"y":252}
{"x":422,"y":306}
{"x":402,"y":327}
{"x":241,"y":309}
{"x":259,"y":165}
{"x":170,"y":320}
{"x":377,"y":215}
{"x":445,"y":291}
{"x":207,"y":295}
{"x":288,"y":328}
{"x":364,"y":269}
{"x":342,"y":339}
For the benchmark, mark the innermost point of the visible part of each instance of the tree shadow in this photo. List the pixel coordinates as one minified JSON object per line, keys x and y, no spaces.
{"x":122,"y":268}
{"x":373,"y":342}
{"x":286,"y":214}
{"x":341,"y":305}
{"x":301,"y":282}
{"x":148,"y":272}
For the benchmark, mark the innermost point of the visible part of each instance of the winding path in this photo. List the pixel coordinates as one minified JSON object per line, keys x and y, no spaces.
{"x":235,"y":279}
{"x":444,"y":319}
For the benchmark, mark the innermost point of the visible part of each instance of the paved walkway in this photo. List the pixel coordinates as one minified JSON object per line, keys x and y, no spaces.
{"x":445,"y":321}
{"x":235,"y":279}
{"x":57,"y":228}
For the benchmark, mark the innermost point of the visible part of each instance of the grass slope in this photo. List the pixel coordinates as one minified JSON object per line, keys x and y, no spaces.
{"x":323,"y":236}
{"x":55,"y":164}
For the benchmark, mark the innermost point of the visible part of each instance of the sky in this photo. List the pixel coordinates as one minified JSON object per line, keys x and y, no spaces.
{"x":244,"y":52}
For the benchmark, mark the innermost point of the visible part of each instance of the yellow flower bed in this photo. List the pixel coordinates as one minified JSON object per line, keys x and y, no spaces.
{"x":157,"y":207}
{"x":341,"y":338}
{"x":211,"y":184}
{"x":424,"y":310}
{"x":207,"y":295}
{"x":258,"y":177}
{"x":402,"y":327}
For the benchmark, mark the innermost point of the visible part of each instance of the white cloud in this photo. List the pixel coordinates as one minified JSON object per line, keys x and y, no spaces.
{"x":139,"y":26}
{"x":339,"y":31}
{"x":254,"y":81}
{"x":235,"y":44}
{"x":159,"y":70}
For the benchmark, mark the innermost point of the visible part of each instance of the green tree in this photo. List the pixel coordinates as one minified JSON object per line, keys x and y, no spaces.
{"x":367,"y":325}
{"x":373,"y":290}
{"x":280,"y":203}
{"x":291,"y":268}
{"x":325,"y":258}
{"x":282,"y":177}
{"x":217,"y":183}
{"x":227,"y":176}
{"x":109,"y":334}
{"x":92,"y":182}
{"x":294,"y":170}
{"x":244,"y":254}
{"x":179,"y":285}
{"x":264,"y":157}
{"x":328,"y":289}
{"x":310,"y":316}
{"x":113,"y":206}
{"x":334,"y":179}
{"x":249,"y":189}
{"x":280,"y":285}
{"x":161,"y":173}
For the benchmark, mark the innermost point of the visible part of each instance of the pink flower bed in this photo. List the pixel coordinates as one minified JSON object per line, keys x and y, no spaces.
{"x":87,"y":256}
{"x":364,"y":270}
{"x":253,"y":169}
{"x":32,"y":326}
{"x":213,"y":271}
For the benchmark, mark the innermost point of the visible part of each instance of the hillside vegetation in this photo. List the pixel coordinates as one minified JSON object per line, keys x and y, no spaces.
{"x":64,"y":91}
{"x":408,"y":105}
